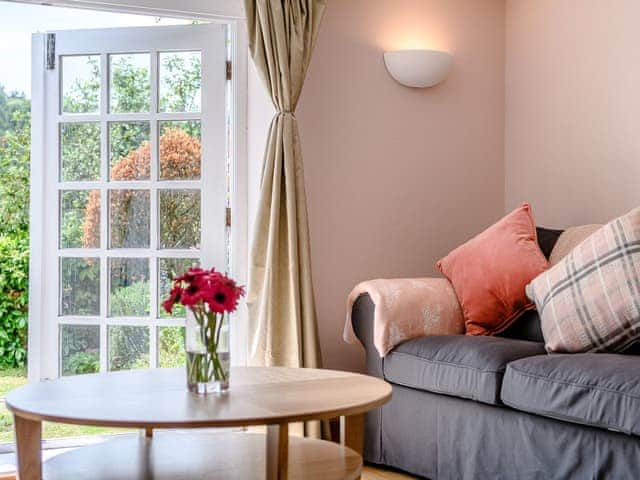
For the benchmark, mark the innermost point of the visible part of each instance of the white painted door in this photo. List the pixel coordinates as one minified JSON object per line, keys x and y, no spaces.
{"x":134,"y":183}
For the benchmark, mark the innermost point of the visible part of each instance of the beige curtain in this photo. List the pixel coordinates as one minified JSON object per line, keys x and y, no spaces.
{"x":282,"y":319}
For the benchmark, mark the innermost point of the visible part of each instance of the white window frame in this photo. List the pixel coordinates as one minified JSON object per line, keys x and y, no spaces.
{"x":218,"y":11}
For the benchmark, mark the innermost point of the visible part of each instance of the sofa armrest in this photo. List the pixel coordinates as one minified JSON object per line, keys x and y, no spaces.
{"x":362,"y":322}
{"x":362,"y":314}
{"x":400,"y":309}
{"x":384,"y":312}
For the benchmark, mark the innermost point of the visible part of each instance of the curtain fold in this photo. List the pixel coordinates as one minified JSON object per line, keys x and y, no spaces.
{"x":282,"y":319}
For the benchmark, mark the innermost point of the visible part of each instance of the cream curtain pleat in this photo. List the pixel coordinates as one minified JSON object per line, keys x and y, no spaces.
{"x":282,"y":318}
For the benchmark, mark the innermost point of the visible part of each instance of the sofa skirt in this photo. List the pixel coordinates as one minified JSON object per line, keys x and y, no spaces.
{"x":441,"y":437}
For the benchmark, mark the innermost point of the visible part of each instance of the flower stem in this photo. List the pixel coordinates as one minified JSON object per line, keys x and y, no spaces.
{"x":203,"y":367}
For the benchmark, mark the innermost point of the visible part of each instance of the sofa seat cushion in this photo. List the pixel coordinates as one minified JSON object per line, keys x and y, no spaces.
{"x":461,"y":365}
{"x":596,"y":389}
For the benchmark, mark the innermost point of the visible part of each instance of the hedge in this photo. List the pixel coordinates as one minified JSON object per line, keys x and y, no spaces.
{"x":14,"y":300}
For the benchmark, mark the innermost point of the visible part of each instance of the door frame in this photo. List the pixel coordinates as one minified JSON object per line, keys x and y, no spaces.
{"x":238,"y":55}
{"x":209,"y":10}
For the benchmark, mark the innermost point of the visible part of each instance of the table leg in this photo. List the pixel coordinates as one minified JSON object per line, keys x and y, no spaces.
{"x":352,"y":432}
{"x":148,"y":432}
{"x":28,"y":444}
{"x":277,"y":451}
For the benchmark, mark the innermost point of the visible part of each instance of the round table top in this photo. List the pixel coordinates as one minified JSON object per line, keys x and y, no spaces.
{"x":158,"y":398}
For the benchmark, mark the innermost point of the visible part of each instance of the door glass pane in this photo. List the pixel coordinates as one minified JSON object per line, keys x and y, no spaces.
{"x":80,"y":219}
{"x":129,"y":219}
{"x":79,"y":349}
{"x":129,"y":83}
{"x":129,"y":287}
{"x":171,"y":347}
{"x":81,"y":84}
{"x":129,"y":150}
{"x":180,"y":148}
{"x":128,"y":347}
{"x":80,"y":151}
{"x":79,"y":286}
{"x":168,"y":269}
{"x":179,"y":218}
{"x":138,"y":223}
{"x":180,"y":78}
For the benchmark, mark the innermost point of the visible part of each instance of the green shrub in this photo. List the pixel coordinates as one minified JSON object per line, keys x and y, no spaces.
{"x":82,"y":362}
{"x":14,"y":228}
{"x":14,"y":180}
{"x":171,"y":347}
{"x":132,"y":300}
{"x":14,"y":285}
{"x":128,"y":347}
{"x":80,"y":349}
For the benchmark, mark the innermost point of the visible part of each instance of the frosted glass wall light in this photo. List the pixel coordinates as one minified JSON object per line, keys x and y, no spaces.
{"x":418,"y":68}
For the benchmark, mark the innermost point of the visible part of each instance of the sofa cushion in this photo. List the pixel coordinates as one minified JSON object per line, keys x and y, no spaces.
{"x":570,"y":239}
{"x":460,"y":365}
{"x":490,"y":271}
{"x":596,"y":389}
{"x":526,"y":327}
{"x":588,"y":302}
{"x":547,"y":239}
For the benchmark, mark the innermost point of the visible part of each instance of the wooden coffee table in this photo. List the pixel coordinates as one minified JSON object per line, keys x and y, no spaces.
{"x":157,"y":399}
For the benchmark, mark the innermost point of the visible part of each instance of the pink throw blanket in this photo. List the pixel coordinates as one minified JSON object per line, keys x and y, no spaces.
{"x":407,"y":308}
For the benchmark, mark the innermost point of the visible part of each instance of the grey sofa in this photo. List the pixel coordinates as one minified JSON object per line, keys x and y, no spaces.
{"x":501,"y":407}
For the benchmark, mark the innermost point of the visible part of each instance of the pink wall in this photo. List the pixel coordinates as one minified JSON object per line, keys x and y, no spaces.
{"x":572,"y":138}
{"x":397,"y":177}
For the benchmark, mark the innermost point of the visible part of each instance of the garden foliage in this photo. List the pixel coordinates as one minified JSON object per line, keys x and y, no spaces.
{"x":130,"y":156}
{"x":14,"y":228}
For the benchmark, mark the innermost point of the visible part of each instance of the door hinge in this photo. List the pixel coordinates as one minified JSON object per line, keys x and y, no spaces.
{"x":51,"y":51}
{"x":228,"y":70}
{"x":228,"y":217}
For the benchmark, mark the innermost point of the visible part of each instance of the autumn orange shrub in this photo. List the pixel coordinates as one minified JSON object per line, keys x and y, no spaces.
{"x":179,"y":160}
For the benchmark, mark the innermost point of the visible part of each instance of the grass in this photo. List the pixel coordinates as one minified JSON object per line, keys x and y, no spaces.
{"x":14,"y":378}
{"x":11,"y":378}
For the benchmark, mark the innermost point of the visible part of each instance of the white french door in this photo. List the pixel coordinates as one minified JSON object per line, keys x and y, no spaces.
{"x":135,"y":190}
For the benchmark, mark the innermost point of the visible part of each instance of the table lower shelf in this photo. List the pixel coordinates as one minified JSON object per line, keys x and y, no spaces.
{"x":200,"y":456}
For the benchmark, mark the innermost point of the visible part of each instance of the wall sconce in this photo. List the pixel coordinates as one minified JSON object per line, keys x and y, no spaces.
{"x":418,"y":68}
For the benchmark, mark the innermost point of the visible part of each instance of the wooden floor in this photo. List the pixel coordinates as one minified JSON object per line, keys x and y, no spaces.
{"x":370,"y":473}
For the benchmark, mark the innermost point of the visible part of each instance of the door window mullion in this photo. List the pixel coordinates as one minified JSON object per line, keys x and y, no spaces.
{"x":154,"y":168}
{"x":104,"y":217}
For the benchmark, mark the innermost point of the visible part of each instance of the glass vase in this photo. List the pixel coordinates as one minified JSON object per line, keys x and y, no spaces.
{"x":207,"y":352}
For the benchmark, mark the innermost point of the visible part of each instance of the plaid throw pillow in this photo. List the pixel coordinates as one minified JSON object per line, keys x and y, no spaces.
{"x":590,"y":300}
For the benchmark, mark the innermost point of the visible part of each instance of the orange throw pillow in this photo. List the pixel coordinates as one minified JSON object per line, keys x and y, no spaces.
{"x":489,"y":273}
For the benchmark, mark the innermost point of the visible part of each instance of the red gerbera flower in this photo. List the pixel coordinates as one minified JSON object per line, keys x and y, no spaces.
{"x":174,"y":297}
{"x":199,"y":286}
{"x":191,"y":275}
{"x":192,"y":294}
